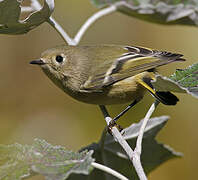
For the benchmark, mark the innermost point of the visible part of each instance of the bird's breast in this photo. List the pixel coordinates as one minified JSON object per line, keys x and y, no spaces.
{"x":124,"y":91}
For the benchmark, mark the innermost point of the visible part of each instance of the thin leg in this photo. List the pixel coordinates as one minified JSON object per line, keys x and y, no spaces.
{"x":125,"y":110}
{"x":104,"y":111}
{"x":110,"y":122}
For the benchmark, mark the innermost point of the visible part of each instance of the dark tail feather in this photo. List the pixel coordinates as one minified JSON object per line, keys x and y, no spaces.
{"x":166,"y":98}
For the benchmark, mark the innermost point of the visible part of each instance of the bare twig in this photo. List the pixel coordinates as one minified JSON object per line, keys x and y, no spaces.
{"x":138,"y":147}
{"x":93,"y":19}
{"x":61,"y":31}
{"x":84,"y":27}
{"x":120,"y":139}
{"x":134,"y":156}
{"x":108,"y":170}
{"x":115,"y":132}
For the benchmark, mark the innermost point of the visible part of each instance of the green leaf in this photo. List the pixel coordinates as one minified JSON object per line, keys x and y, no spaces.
{"x":183,"y":80}
{"x":10,"y":11}
{"x":113,"y":156}
{"x":184,"y":12}
{"x":54,"y":162}
{"x":166,"y":84}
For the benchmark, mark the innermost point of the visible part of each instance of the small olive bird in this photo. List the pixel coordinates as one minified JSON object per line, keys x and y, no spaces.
{"x":106,"y":74}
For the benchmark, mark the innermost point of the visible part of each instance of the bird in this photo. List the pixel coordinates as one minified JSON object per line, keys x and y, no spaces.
{"x":107,"y":74}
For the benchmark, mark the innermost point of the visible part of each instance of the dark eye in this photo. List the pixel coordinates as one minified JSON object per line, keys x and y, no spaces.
{"x":59,"y":58}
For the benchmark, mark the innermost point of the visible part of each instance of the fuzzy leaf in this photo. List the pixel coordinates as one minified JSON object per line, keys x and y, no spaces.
{"x":183,"y":80}
{"x":54,"y":162}
{"x":114,"y":157}
{"x":166,"y":84}
{"x":10,"y":11}
{"x":184,"y":12}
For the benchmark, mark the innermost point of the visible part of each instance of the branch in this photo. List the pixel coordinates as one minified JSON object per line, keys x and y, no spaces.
{"x":108,"y":170}
{"x":61,"y":31}
{"x":83,"y":28}
{"x":138,"y":147}
{"x":134,"y":156}
{"x":118,"y":137}
{"x":116,"y":133}
{"x":93,"y":19}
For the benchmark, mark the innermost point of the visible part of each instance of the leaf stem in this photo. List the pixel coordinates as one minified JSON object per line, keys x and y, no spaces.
{"x":108,"y":170}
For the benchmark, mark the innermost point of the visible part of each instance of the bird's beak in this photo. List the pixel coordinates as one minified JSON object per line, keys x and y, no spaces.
{"x":38,"y":62}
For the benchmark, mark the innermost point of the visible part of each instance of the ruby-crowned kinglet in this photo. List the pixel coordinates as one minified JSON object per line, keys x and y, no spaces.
{"x":106,"y":74}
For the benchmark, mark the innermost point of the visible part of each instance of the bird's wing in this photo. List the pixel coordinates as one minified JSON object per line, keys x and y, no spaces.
{"x":134,"y":60}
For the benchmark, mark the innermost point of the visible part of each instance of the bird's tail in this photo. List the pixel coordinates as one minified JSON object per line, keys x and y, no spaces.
{"x":166,"y":98}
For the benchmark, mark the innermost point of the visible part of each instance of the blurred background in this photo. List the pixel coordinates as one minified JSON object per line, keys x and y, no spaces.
{"x":32,"y":106}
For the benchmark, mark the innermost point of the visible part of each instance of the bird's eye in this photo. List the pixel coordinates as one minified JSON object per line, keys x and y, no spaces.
{"x":59,"y":58}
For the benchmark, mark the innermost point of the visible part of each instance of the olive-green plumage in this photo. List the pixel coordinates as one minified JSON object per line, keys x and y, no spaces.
{"x":106,"y":74}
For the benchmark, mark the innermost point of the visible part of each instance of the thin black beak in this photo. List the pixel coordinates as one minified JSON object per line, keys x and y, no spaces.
{"x":38,"y":62}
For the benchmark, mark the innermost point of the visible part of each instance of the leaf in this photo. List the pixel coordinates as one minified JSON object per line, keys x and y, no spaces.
{"x":10,"y":11}
{"x":183,"y":80}
{"x":54,"y":162}
{"x":114,"y":157}
{"x":184,"y":12}
{"x":165,"y":84}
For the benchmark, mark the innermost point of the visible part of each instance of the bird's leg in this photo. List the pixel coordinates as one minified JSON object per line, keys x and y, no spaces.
{"x":104,"y":112}
{"x":110,"y":122}
{"x":125,"y":110}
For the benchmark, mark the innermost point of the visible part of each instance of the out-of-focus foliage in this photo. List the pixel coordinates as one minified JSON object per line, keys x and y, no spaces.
{"x":158,"y":11}
{"x":10,"y":11}
{"x":54,"y":162}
